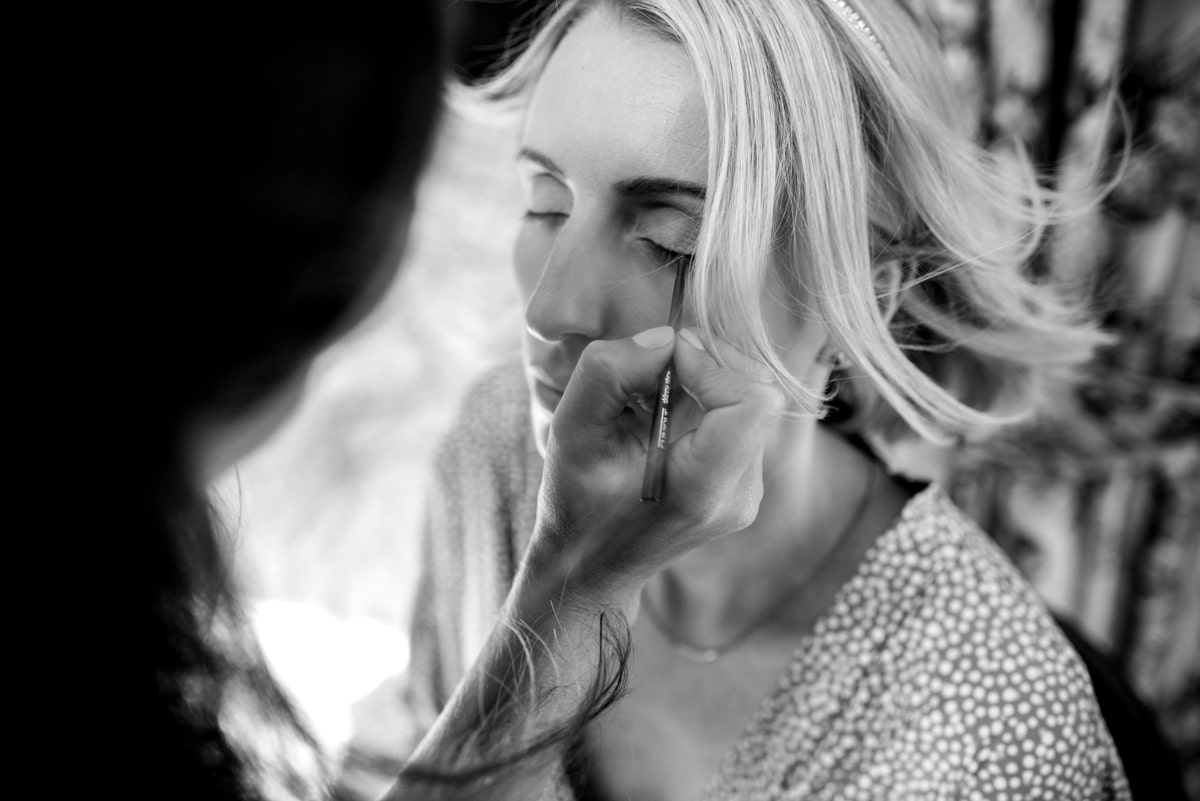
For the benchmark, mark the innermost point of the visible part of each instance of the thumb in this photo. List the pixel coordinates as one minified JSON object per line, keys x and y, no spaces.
{"x":608,"y":374}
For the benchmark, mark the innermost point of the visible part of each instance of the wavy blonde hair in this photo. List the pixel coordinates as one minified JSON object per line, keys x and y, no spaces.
{"x":837,"y":163}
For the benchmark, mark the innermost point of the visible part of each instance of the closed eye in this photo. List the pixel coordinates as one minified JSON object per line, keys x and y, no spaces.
{"x":544,"y":215}
{"x":667,"y":255}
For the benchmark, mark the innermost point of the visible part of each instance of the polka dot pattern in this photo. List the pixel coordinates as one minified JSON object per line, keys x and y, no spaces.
{"x":936,"y":674}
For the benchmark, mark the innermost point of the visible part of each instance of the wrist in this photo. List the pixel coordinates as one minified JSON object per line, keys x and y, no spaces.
{"x":550,"y":586}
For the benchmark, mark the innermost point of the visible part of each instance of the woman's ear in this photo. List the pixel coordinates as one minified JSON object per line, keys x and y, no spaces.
{"x":887,"y":275}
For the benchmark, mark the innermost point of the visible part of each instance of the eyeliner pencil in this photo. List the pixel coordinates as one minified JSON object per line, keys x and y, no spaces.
{"x":654,"y":479}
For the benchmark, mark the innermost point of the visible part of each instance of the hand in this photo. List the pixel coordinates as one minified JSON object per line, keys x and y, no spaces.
{"x":557,"y":661}
{"x":593,"y":534}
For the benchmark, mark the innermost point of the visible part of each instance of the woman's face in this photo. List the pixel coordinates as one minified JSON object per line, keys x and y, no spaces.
{"x":613,"y":164}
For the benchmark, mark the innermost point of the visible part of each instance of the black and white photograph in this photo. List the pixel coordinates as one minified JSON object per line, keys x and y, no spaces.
{"x":665,"y":400}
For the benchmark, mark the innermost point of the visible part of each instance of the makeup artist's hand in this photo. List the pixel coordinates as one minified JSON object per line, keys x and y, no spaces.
{"x":593,"y":533}
{"x":557,"y":661}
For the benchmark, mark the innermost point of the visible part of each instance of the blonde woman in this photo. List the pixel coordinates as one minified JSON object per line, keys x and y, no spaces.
{"x":858,"y":638}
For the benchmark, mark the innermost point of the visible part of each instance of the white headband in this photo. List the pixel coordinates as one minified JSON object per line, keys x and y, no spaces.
{"x":857,"y":21}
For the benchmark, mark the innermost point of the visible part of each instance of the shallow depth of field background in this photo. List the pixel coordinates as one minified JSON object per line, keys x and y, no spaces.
{"x":326,"y":512}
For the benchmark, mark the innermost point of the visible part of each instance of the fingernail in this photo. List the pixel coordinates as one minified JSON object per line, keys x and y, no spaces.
{"x":655,"y":337}
{"x":690,"y":337}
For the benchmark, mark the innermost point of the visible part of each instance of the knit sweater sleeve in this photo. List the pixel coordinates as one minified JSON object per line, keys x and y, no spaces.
{"x":479,"y":509}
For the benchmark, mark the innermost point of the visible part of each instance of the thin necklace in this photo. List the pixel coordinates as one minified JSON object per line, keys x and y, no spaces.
{"x":707,"y":654}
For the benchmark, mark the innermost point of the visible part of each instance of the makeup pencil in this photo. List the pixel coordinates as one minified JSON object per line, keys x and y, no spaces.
{"x":654,"y":479}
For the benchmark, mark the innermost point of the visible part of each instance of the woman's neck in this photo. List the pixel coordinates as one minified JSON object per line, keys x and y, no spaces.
{"x":808,"y":538}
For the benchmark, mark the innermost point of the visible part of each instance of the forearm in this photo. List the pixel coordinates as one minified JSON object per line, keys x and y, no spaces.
{"x":554,"y":662}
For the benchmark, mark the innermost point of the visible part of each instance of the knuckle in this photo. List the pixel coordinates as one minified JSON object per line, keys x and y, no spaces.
{"x":743,"y":519}
{"x":734,"y":518}
{"x":773,"y":399}
{"x":768,"y":401}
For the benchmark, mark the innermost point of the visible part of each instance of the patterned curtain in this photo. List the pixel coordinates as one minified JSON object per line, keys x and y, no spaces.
{"x":1099,"y":503}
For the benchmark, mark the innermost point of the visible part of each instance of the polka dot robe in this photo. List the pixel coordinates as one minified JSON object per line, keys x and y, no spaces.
{"x":936,"y":674}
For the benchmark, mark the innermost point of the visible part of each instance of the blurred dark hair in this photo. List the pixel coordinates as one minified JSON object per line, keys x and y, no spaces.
{"x":272,"y":179}
{"x":287,"y":162}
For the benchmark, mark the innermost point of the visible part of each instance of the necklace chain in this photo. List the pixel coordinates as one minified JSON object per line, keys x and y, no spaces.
{"x":701,"y":654}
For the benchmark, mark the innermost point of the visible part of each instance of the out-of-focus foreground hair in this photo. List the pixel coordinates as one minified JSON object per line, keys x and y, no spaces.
{"x":839,"y":163}
{"x":273,"y":175}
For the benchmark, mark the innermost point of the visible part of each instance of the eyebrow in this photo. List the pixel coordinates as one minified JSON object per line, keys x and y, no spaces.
{"x":645,"y":186}
{"x":639,"y":187}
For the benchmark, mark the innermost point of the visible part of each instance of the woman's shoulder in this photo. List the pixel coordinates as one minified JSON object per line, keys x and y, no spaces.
{"x":496,"y":400}
{"x":492,"y":418}
{"x":984,"y":606}
{"x":982,"y":655}
{"x":485,"y":465}
{"x":937,"y":672}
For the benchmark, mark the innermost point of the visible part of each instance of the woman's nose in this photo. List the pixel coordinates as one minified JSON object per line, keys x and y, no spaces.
{"x":570,"y":299}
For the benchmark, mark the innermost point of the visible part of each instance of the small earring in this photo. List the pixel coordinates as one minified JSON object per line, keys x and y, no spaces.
{"x":833,"y":358}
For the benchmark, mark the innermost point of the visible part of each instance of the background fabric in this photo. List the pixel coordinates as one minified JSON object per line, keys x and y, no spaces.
{"x":1099,"y":502}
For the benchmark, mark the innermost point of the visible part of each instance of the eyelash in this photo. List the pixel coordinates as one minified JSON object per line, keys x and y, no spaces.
{"x":669,"y":257}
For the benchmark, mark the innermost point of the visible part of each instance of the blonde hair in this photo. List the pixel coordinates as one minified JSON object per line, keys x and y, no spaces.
{"x":838,"y":163}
